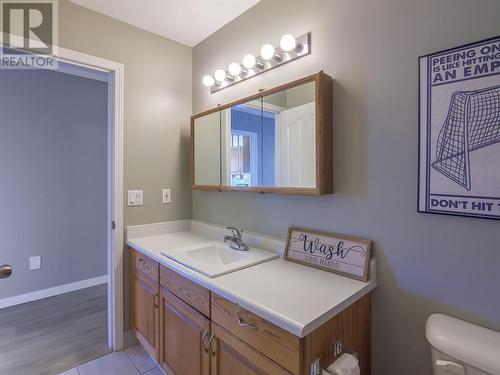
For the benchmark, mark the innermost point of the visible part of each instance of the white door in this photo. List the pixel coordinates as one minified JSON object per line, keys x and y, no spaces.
{"x":297,"y":147}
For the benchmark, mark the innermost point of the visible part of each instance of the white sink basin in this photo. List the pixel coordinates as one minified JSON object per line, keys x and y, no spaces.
{"x":215,"y":254}
{"x":217,"y":258}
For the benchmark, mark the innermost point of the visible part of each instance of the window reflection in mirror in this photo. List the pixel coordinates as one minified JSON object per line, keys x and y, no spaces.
{"x":271,"y":141}
{"x":244,"y":158}
{"x":251,"y":141}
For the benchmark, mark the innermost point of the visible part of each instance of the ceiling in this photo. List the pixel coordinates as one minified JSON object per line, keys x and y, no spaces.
{"x":185,"y":21}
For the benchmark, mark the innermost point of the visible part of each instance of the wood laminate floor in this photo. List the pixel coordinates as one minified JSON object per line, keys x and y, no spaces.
{"x":55,"y":334}
{"x":131,"y":361}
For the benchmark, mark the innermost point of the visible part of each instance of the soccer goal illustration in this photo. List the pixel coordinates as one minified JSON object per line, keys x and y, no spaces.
{"x":473,"y":122}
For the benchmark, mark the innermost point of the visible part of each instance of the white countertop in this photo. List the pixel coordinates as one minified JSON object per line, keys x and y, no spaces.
{"x":296,"y":298}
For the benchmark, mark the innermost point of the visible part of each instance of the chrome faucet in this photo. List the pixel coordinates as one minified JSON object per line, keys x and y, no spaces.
{"x":235,"y":241}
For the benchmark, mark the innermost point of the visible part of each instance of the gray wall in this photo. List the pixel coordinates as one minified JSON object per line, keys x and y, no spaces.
{"x":426,"y":263}
{"x":53,"y":178}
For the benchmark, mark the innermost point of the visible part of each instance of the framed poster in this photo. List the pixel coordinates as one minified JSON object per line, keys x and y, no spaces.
{"x":344,"y":255}
{"x":459,"y":131}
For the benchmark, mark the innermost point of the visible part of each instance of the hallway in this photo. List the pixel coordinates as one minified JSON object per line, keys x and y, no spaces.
{"x":54,"y":334}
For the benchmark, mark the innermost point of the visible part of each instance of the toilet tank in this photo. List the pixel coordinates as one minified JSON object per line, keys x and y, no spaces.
{"x":461,"y":348}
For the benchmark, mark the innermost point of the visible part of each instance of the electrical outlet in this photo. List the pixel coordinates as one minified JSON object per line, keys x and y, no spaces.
{"x":135,"y":198}
{"x":35,"y":263}
{"x":166,"y":196}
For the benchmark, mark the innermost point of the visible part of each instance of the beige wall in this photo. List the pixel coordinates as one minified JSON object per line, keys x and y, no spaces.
{"x":157,"y":106}
{"x":426,"y":263}
{"x":157,"y":110}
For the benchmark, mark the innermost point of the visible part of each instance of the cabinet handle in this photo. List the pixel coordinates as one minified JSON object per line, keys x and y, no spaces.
{"x":242,"y":324}
{"x":210,"y":344}
{"x":156,"y":300}
{"x":205,"y":348}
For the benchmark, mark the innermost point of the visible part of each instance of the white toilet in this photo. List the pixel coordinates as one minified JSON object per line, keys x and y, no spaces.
{"x":461,"y":348}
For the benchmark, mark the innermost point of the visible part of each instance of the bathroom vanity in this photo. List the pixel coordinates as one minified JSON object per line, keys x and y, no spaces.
{"x":274,"y":317}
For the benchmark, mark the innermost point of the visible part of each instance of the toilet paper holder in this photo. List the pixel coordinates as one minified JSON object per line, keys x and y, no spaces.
{"x":338,"y":349}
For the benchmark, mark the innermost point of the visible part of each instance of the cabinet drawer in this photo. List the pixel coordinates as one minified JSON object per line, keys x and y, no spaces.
{"x":193,"y":294}
{"x":269,"y":339}
{"x":144,"y":264}
{"x":234,"y":357}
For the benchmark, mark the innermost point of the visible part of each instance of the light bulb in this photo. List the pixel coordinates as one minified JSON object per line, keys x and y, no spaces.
{"x":288,"y":42}
{"x":208,"y":80}
{"x":267,"y":51}
{"x":220,"y":75}
{"x":249,"y":61}
{"x":234,"y":69}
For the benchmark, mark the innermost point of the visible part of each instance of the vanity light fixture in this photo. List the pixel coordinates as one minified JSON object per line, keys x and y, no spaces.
{"x":220,"y":75}
{"x":289,"y":49}
{"x":234,"y":69}
{"x":208,"y":80}
{"x":249,"y":61}
{"x":267,"y":51}
{"x":288,"y":42}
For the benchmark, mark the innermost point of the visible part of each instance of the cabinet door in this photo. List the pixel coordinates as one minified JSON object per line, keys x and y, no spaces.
{"x":184,"y":338}
{"x":145,"y":312}
{"x":232,"y":356}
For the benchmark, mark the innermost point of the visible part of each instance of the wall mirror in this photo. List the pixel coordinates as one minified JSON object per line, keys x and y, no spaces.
{"x":276,"y":141}
{"x":206,"y":150}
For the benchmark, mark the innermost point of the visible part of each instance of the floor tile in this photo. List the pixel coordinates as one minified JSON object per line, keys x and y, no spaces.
{"x":129,"y":339}
{"x":155,"y":371}
{"x":117,"y":363}
{"x":141,"y":360}
{"x":73,"y":371}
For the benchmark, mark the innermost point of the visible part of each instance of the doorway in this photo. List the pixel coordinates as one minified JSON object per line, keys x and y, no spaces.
{"x":61,"y":168}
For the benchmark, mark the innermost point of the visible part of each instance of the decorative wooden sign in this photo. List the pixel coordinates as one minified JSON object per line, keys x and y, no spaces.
{"x":344,"y":255}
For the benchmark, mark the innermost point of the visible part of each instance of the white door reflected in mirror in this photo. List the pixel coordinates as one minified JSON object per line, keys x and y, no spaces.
{"x":271,"y":141}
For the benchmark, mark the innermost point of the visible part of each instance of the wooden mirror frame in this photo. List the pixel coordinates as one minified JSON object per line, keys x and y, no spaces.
{"x":324,"y":139}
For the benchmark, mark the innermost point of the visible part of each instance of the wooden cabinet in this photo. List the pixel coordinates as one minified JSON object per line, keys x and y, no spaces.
{"x":231,"y":356}
{"x":278,"y":140}
{"x":269,"y":339}
{"x":145,"y":316}
{"x":145,"y":266}
{"x":192,"y":331}
{"x":193,"y":294}
{"x":184,"y":338}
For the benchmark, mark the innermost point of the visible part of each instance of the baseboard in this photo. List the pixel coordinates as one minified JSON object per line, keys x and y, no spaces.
{"x":50,"y":292}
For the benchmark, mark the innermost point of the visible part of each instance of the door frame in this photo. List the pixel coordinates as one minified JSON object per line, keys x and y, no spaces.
{"x":115,"y":232}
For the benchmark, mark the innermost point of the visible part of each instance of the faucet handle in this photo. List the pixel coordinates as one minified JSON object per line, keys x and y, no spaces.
{"x":236,"y":232}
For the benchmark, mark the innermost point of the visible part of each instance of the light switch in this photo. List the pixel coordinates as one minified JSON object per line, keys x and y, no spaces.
{"x":35,"y":263}
{"x":166,"y":196}
{"x":135,"y":198}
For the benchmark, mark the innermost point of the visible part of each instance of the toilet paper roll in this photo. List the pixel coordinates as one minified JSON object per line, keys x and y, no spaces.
{"x":346,"y":364}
